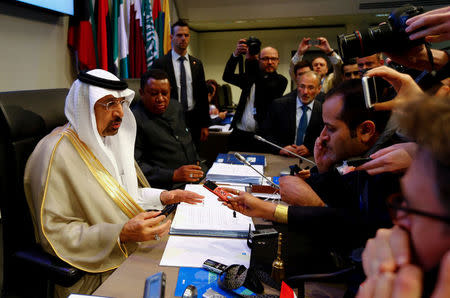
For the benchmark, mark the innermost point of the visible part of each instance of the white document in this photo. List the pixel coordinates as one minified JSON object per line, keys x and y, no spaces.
{"x":185,"y":251}
{"x":235,"y":170}
{"x":234,"y":173}
{"x":210,"y":215}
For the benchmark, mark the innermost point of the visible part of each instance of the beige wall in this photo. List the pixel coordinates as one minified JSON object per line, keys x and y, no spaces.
{"x":34,"y":52}
{"x":214,"y":48}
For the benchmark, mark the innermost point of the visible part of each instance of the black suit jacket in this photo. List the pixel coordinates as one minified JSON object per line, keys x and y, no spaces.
{"x":268,"y":87}
{"x":200,"y":117}
{"x":281,"y":122}
{"x":163,"y":144}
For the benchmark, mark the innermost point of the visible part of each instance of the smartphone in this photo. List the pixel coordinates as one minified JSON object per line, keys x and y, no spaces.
{"x":169,"y":209}
{"x":214,"y":266}
{"x":372,"y":88}
{"x":314,"y":42}
{"x":222,"y":194}
{"x":155,"y":286}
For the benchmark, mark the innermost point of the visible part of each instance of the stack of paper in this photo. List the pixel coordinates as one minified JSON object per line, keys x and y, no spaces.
{"x":232,"y":173}
{"x":211,"y":218}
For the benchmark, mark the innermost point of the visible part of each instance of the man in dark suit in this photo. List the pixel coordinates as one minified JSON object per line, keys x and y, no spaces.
{"x":164,"y":149}
{"x":187,"y":81}
{"x":295,"y":120}
{"x":260,"y":84}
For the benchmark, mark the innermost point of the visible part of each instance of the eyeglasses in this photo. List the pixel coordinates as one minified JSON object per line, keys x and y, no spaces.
{"x":114,"y":104}
{"x":350,"y":73}
{"x":266,"y":59}
{"x":396,"y":202}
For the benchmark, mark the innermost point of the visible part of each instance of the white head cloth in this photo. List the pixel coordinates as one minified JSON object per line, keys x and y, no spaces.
{"x":116,"y":153}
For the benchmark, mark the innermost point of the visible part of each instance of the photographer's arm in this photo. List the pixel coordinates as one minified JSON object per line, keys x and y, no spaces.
{"x":417,"y":58}
{"x":302,"y":48}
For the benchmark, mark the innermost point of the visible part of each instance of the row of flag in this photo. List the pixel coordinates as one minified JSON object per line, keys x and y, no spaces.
{"x":121,"y":36}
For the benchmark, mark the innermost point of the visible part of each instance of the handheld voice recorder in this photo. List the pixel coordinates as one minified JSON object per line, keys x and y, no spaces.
{"x":222,"y":194}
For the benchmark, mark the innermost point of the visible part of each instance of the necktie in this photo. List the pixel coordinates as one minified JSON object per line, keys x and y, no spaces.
{"x":302,"y":125}
{"x":183,"y":93}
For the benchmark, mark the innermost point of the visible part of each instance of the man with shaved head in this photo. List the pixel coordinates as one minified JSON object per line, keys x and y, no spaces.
{"x":260,"y":84}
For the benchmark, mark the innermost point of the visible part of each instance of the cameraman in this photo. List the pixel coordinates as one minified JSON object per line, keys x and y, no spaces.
{"x":260,"y":84}
{"x":328,"y":81}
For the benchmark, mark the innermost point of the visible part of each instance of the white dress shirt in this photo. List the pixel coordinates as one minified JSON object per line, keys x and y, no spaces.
{"x":176,"y":69}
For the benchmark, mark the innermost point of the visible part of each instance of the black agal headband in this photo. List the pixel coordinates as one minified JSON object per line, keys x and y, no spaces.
{"x":100,"y":82}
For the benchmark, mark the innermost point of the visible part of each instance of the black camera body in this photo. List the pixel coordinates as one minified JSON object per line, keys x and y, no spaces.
{"x":389,"y":36}
{"x":254,"y":45}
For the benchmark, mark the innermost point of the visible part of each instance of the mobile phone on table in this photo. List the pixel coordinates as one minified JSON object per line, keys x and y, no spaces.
{"x":214,"y":266}
{"x":218,"y":191}
{"x":372,"y":89}
{"x":155,"y":286}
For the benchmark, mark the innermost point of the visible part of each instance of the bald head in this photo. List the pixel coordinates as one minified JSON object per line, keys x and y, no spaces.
{"x":268,"y":59}
{"x":308,"y":86}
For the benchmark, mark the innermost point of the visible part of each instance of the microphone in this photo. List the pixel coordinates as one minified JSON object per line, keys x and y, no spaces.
{"x":281,"y":148}
{"x":242,"y":159}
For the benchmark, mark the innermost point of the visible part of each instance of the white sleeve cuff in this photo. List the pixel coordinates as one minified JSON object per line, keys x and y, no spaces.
{"x":296,"y":58}
{"x":149,"y":198}
{"x":335,"y":58}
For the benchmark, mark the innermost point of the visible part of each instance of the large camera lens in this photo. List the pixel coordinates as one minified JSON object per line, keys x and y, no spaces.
{"x":388,"y":36}
{"x":365,"y":42}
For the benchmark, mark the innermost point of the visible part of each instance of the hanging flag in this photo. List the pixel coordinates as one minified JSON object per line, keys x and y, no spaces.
{"x":136,"y":42}
{"x":150,"y":37}
{"x":167,"y":41}
{"x":104,"y":35}
{"x":80,"y":38}
{"x":158,"y":18}
{"x":123,"y":42}
{"x":115,"y":35}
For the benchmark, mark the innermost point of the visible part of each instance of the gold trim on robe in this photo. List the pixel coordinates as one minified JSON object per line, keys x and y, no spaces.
{"x":111,"y":186}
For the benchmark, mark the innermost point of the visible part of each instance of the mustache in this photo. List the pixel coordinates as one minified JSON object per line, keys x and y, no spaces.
{"x":115,"y":120}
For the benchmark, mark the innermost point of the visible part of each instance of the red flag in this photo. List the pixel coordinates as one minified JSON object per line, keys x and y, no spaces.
{"x":79,"y":37}
{"x":137,"y":61}
{"x":104,"y":37}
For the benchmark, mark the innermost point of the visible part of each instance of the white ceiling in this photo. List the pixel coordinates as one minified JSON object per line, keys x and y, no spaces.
{"x":218,"y":15}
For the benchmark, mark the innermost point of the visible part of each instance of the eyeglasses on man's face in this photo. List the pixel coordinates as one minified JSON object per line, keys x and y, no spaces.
{"x":267,"y":59}
{"x":114,"y":104}
{"x":397,"y":202}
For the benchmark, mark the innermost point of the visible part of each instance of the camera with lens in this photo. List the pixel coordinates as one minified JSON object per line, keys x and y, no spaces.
{"x":389,"y":36}
{"x":254,"y":45}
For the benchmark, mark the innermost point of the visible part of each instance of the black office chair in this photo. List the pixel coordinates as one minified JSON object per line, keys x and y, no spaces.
{"x":135,"y":85}
{"x":25,"y":117}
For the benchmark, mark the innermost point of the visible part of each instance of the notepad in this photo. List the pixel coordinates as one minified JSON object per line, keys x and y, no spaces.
{"x":210,"y":218}
{"x":233,"y":173}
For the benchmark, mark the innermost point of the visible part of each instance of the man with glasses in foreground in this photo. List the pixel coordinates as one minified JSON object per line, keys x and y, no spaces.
{"x":413,"y":258}
{"x":86,"y":194}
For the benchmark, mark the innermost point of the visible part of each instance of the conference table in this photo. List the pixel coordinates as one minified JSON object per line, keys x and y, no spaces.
{"x":128,"y":281}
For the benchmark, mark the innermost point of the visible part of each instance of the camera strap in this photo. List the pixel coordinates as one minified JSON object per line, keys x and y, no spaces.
{"x":430,"y":58}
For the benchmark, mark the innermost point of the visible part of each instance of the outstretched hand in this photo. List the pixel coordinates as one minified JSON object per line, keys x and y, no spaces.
{"x":178,"y":195}
{"x":249,"y":205}
{"x":403,"y":84}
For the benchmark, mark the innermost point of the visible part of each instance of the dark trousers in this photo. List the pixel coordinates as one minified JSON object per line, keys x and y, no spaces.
{"x":194,"y":128}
